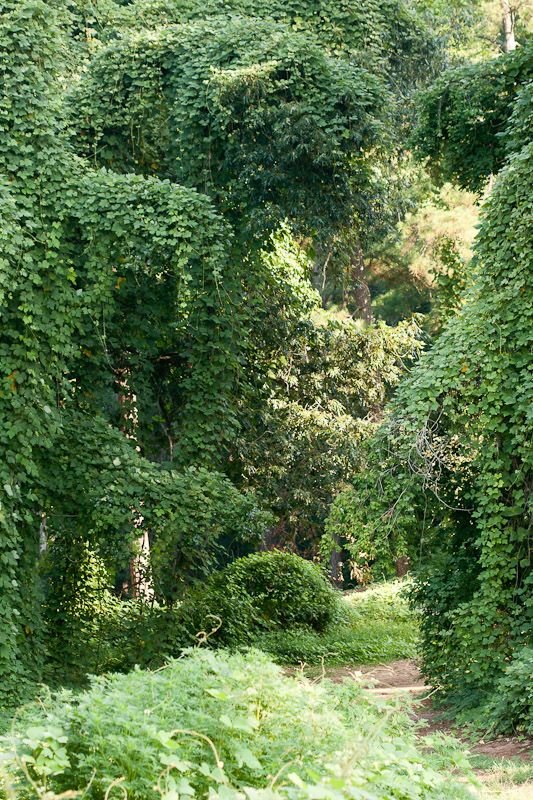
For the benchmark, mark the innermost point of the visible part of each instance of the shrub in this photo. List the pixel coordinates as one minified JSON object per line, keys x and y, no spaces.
{"x":511,"y":705}
{"x":263,"y":591}
{"x":218,"y":724}
{"x":285,"y":589}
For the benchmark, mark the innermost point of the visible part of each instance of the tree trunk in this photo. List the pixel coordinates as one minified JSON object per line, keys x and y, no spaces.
{"x":335,"y":568}
{"x":402,"y":566}
{"x":363,"y":301}
{"x":43,"y":535}
{"x":358,"y":289}
{"x":508,"y":20}
{"x":140,"y":574}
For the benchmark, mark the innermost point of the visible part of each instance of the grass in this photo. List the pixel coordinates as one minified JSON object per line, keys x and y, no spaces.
{"x":373,"y":626}
{"x":509,"y":792}
{"x":503,"y":778}
{"x":503,"y":770}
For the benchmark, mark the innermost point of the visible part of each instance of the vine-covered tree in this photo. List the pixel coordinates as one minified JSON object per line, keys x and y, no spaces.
{"x":449,"y":474}
{"x":278,"y":123}
{"x":464,"y":118}
{"x":79,"y":248}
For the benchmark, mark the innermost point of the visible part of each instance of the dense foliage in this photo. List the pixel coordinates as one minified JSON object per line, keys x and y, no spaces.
{"x":224,"y":727}
{"x":205,"y":208}
{"x":474,"y":450}
{"x":79,"y":250}
{"x":103,"y":633}
{"x":198,"y":521}
{"x":465,"y":117}
{"x":167,"y":183}
{"x":243,"y":109}
{"x":328,"y":388}
{"x":390,"y":34}
{"x":373,"y":524}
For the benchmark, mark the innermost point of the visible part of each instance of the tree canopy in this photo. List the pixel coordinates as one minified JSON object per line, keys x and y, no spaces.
{"x":467,"y":115}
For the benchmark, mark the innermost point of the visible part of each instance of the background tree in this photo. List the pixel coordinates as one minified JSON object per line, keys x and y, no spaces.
{"x":464,"y":118}
{"x":508,"y":26}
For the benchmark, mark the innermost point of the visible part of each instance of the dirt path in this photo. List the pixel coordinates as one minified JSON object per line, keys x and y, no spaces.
{"x":403,"y":677}
{"x":497,"y":782}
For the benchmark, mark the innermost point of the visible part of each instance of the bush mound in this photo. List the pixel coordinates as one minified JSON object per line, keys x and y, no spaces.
{"x":285,"y":589}
{"x":220,"y":726}
{"x":263,"y":591}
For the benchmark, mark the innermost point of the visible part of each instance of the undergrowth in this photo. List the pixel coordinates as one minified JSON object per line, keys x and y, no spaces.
{"x":372,"y":626}
{"x":275,"y":602}
{"x":224,"y":726}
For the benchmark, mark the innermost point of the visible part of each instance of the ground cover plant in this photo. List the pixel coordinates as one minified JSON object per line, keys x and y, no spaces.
{"x":223,"y":726}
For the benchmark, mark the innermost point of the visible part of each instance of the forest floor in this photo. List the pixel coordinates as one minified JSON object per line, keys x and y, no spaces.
{"x":503,"y":766}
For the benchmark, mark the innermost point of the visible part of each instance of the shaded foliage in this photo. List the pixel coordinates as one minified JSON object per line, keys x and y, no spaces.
{"x":252,"y":113}
{"x":327,"y":393}
{"x":389,"y":35}
{"x":465,"y":115}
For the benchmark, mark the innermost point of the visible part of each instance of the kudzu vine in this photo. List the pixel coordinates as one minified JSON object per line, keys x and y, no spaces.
{"x":465,"y":120}
{"x":83,"y":252}
{"x":453,"y":461}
